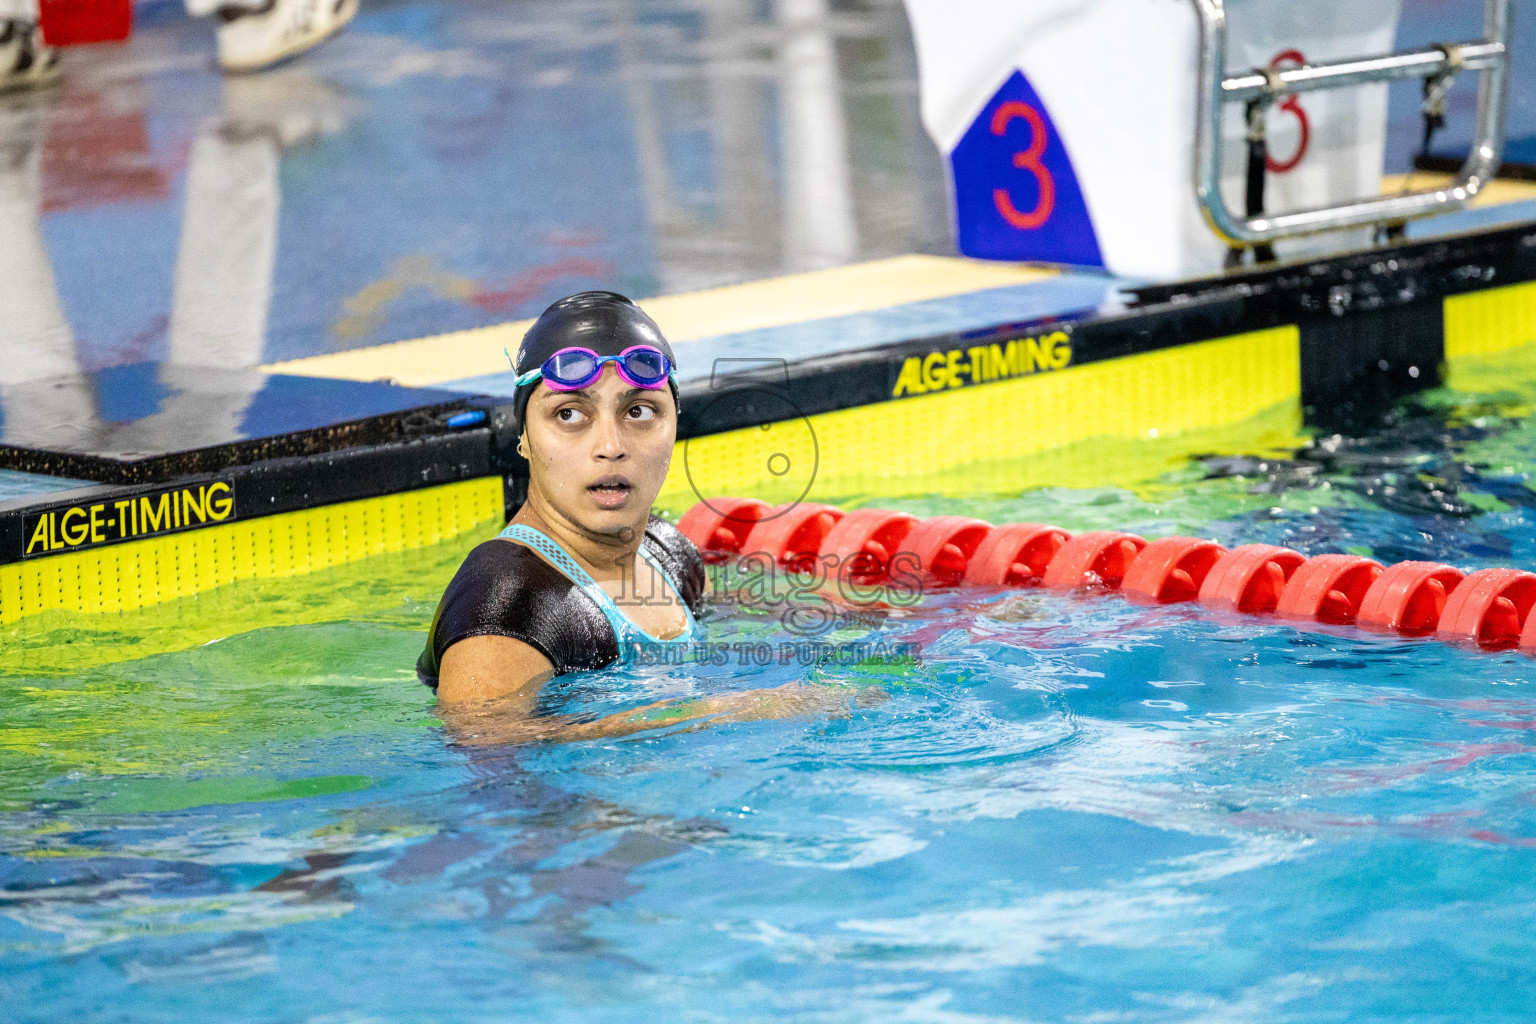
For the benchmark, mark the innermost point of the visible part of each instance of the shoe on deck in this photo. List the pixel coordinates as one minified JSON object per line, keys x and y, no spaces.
{"x":254,"y":38}
{"x":25,"y":63}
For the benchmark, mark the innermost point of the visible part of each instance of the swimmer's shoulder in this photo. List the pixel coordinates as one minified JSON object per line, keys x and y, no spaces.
{"x":506,"y":589}
{"x":680,"y":558}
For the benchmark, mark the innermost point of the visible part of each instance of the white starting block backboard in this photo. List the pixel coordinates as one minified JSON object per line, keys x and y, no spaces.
{"x":1069,"y":125}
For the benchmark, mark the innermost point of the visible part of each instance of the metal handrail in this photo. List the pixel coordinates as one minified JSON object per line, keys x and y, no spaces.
{"x":1489,"y":55}
{"x":1393,"y":67}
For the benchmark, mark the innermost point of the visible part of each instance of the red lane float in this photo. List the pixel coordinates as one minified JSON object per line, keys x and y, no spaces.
{"x":1097,"y":559}
{"x":1170,"y":570}
{"x":1528,"y":635}
{"x":792,"y":537}
{"x":864,"y":540}
{"x":1488,"y":608}
{"x":719,"y":528}
{"x":1014,"y":555}
{"x":1249,"y":579}
{"x":1492,"y":608}
{"x":1408,"y":598}
{"x":1329,"y":589}
{"x":944,"y":546}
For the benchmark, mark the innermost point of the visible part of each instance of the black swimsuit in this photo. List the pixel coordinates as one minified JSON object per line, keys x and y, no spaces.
{"x":505,"y":589}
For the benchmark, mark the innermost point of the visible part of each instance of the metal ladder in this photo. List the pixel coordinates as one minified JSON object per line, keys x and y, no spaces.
{"x":1262,"y":87}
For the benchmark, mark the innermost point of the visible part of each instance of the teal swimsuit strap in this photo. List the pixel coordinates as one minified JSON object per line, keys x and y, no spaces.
{"x":691,"y":629}
{"x":624,"y":631}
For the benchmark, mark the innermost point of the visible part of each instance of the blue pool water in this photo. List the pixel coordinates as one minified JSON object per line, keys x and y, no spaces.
{"x":1073,"y":810}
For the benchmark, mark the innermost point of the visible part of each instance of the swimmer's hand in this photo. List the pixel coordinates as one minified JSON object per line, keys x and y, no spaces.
{"x":499,"y":722}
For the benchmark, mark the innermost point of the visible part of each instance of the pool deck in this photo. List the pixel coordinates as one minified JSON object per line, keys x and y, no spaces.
{"x":842,"y":309}
{"x":794,"y":317}
{"x":444,"y":166}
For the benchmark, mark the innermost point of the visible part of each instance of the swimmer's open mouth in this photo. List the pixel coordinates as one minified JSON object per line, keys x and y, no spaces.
{"x":610,"y":491}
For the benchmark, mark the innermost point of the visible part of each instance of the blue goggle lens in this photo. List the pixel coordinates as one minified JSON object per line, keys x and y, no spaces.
{"x":570,"y":367}
{"x":646,"y":366}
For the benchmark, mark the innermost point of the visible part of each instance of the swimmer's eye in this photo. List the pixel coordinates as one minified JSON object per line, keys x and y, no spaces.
{"x":642,"y":412}
{"x":569,"y":414}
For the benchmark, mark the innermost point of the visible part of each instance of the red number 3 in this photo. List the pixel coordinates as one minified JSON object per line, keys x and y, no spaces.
{"x":1291,"y":106}
{"x":1025,"y":160}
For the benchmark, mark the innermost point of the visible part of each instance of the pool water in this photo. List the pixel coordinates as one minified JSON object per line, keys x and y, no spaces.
{"x":1073,"y":809}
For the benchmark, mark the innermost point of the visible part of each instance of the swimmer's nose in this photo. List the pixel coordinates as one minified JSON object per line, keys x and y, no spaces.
{"x":609,"y":441}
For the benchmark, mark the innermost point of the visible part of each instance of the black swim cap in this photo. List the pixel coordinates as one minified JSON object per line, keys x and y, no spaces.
{"x":605,"y":322}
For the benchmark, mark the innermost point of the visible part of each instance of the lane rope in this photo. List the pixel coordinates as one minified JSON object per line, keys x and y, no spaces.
{"x":1490,"y":609}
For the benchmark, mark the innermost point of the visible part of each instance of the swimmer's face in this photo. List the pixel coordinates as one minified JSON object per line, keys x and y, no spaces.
{"x":598,"y":456}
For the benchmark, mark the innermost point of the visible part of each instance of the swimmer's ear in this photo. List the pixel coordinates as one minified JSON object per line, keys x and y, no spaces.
{"x":522,"y":444}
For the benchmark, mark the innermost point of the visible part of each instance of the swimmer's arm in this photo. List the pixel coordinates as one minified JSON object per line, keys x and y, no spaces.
{"x":482,"y":668}
{"x":502,"y":721}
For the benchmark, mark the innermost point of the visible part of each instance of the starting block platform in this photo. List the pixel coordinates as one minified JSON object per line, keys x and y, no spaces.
{"x":153,"y":422}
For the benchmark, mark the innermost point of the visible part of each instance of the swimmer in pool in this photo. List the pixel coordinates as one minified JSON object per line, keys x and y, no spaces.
{"x":584,"y":574}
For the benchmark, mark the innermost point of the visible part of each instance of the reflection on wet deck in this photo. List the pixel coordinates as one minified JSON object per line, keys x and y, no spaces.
{"x":451,"y":164}
{"x":441,"y":166}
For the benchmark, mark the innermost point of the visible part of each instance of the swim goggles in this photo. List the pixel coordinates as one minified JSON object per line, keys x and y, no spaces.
{"x":570,"y":369}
